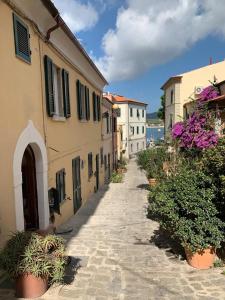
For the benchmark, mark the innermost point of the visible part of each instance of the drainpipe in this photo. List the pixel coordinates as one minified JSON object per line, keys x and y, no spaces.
{"x":59,"y":22}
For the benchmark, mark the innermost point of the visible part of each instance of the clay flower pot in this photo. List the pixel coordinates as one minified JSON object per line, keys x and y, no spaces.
{"x":152,"y":181}
{"x":29,"y":286}
{"x":201,"y":259}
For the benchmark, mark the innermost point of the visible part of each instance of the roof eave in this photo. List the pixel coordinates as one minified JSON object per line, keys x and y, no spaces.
{"x":54,"y":12}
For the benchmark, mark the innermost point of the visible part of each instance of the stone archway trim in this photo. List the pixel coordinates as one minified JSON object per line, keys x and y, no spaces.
{"x":31,"y":136}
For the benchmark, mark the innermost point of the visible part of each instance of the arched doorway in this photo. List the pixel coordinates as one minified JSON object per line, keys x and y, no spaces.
{"x":29,"y":189}
{"x":30,"y":150}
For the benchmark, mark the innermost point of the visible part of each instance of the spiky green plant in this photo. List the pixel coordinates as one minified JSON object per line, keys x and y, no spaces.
{"x":31,"y":253}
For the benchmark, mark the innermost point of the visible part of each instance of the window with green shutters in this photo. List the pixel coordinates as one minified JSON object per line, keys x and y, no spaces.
{"x":90,"y":165}
{"x":96,"y":107}
{"x":101,"y":156}
{"x":60,"y":185}
{"x":57,"y":90}
{"x":83,"y":101}
{"x":66,"y":93}
{"x":22,"y":39}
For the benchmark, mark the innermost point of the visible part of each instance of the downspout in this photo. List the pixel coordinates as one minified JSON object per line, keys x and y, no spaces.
{"x":59,"y":22}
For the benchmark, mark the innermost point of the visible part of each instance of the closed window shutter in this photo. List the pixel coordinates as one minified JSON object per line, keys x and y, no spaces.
{"x":79,"y":106}
{"x":66,"y":93}
{"x":99,"y":107}
{"x":50,"y":105}
{"x":60,"y":184}
{"x":87,"y":103}
{"x":22,"y":39}
{"x":90,"y":168}
{"x":94,"y":107}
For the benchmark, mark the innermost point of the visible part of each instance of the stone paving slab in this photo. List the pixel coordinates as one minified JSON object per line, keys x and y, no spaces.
{"x":120,"y":257}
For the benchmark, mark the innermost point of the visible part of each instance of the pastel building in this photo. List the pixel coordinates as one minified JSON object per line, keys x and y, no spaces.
{"x":131,"y":125}
{"x":51,"y":123}
{"x":185,"y":88}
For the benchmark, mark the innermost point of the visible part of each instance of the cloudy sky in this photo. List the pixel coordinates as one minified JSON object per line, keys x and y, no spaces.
{"x":138,"y":44}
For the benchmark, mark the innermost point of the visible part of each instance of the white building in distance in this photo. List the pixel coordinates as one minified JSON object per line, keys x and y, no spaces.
{"x":131,"y":124}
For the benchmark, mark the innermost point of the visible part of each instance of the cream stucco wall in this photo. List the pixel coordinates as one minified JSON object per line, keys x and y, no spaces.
{"x":22,"y":97}
{"x":185,"y":90}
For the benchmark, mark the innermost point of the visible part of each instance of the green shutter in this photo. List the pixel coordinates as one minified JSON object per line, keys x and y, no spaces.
{"x":50,"y":105}
{"x":94,"y":106}
{"x":22,"y":39}
{"x":79,"y":108}
{"x":87,"y":103}
{"x":60,"y":184}
{"x":99,"y":107}
{"x":66,"y":93}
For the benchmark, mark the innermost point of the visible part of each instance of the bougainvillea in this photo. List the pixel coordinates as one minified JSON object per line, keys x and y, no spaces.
{"x":210,"y":92}
{"x":198,"y":130}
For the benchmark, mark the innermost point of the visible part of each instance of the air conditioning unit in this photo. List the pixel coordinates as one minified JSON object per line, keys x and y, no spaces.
{"x":198,"y":90}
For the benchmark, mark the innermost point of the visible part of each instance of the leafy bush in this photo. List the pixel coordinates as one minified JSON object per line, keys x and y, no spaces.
{"x":213,"y":164}
{"x":184,"y":206}
{"x":116,"y":177}
{"x":151,"y":160}
{"x":30,"y":253}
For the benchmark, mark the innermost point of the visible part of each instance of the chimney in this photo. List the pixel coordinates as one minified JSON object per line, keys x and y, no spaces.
{"x":210,"y":61}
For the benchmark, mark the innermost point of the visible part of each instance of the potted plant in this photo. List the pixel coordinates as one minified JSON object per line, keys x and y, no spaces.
{"x":34,"y":262}
{"x":184,"y":205}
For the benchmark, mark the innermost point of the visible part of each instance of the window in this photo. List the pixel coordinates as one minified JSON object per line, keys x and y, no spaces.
{"x":137,"y":130}
{"x":107,"y":123}
{"x":110,"y":124}
{"x":171,"y":96}
{"x":90,"y":165}
{"x":170,"y":122}
{"x":143,"y":113}
{"x":96,"y":107}
{"x":60,"y":185}
{"x":101,"y":156}
{"x":138,"y":115}
{"x":131,"y":147}
{"x":114,"y":124}
{"x":105,"y":162}
{"x":57,"y":90}
{"x":22,"y":39}
{"x":83,"y":102}
{"x":143,"y":129}
{"x":131,"y":112}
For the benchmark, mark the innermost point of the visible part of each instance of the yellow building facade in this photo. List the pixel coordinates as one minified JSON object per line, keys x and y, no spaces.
{"x":51,"y":120}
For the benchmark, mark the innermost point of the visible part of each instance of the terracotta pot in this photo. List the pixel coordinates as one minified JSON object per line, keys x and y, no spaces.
{"x":152,"y":181}
{"x":202,"y":259}
{"x":29,"y":286}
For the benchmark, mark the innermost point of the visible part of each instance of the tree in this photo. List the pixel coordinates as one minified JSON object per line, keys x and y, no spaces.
{"x":161,"y":111}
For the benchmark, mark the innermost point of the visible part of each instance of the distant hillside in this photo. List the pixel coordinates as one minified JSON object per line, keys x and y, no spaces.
{"x":150,"y":116}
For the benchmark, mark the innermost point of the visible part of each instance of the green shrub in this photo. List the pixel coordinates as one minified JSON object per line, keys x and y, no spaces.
{"x":184,"y":205}
{"x":116,"y":177}
{"x":151,"y":160}
{"x":30,"y":253}
{"x":213,"y":164}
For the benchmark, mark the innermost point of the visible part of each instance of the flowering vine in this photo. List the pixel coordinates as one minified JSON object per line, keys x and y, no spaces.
{"x":198,"y":130}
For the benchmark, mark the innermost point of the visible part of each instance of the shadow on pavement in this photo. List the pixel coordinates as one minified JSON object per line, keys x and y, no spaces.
{"x":162,"y":240}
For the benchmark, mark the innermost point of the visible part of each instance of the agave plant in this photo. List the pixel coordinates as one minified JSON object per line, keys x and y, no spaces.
{"x":30,"y":253}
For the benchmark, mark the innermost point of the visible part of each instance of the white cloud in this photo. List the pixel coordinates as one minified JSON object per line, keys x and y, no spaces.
{"x":77,"y":15}
{"x":152,"y":32}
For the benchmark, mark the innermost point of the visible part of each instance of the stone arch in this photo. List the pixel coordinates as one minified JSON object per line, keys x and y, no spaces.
{"x":31,"y":136}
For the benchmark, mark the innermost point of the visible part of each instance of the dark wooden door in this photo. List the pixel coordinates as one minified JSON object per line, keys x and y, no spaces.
{"x":77,"y":200}
{"x":29,"y":187}
{"x":97,"y":171}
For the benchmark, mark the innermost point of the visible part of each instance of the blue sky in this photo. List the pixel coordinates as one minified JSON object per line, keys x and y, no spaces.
{"x":138,"y":45}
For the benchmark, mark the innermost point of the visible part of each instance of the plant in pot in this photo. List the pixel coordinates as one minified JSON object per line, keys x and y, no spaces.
{"x":34,"y":262}
{"x":184,"y":205}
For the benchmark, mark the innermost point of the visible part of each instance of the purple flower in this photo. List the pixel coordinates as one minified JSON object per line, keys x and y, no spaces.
{"x":177,"y":129}
{"x":208,"y":93}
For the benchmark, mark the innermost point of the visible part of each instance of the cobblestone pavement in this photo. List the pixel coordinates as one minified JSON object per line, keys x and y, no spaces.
{"x":121,"y":256}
